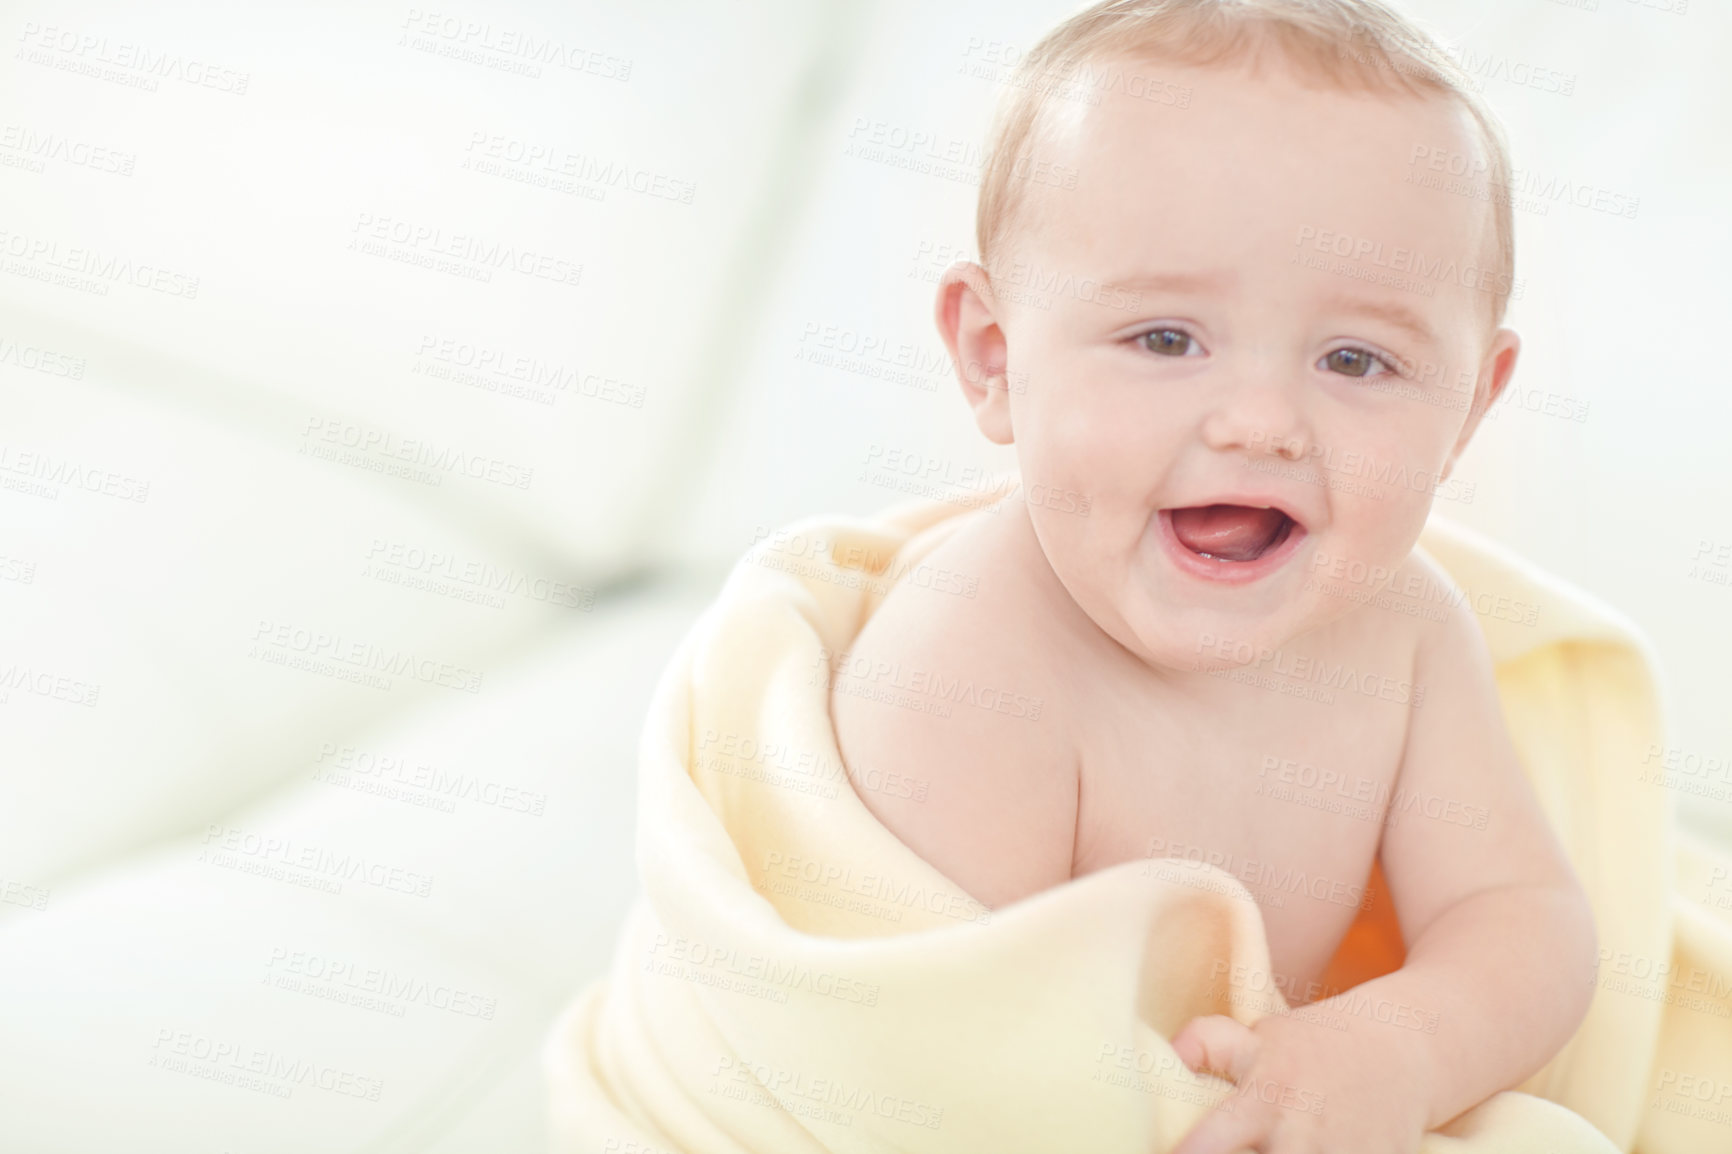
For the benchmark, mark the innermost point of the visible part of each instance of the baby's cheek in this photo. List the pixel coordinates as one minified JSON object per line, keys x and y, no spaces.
{"x":1371,"y":530}
{"x":1077,"y":446}
{"x":1065,"y":478}
{"x":1387,"y":486}
{"x":1406,"y":503}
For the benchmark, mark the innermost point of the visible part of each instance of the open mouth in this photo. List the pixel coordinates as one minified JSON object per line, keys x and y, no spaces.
{"x":1236,"y":534}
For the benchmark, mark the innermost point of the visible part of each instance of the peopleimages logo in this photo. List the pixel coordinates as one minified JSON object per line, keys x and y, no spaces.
{"x":231,"y":846}
{"x":277,"y":642}
{"x":1403,"y":261}
{"x":832,"y":1092}
{"x":40,"y":254}
{"x":425,"y":244}
{"x":330,"y":438}
{"x":1306,"y":784}
{"x":781,"y":872}
{"x":948,"y":688}
{"x":1299,"y":668}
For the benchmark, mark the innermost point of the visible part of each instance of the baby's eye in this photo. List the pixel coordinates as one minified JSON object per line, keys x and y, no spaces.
{"x":1169,"y":342}
{"x":1354,"y":362}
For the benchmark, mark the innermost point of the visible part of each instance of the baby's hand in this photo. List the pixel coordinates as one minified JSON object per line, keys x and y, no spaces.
{"x":1304,"y":1088}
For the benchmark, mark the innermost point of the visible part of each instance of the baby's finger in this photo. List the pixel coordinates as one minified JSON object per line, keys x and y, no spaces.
{"x":1224,"y":1132}
{"x":1218,"y":1044}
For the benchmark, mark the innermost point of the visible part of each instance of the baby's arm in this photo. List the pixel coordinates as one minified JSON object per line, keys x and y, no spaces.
{"x":1501,"y":941}
{"x":1500,"y":936}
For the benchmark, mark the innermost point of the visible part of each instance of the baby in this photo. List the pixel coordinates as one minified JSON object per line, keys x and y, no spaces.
{"x":1276,"y":342}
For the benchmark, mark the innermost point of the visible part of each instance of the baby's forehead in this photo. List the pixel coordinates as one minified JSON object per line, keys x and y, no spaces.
{"x":1250,"y":110}
{"x":1265,"y":149}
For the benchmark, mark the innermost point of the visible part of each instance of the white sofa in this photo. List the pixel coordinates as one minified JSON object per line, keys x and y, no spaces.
{"x":383,"y":391}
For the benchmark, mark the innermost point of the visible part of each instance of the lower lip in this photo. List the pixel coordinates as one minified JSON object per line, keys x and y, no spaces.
{"x":1223,"y":572}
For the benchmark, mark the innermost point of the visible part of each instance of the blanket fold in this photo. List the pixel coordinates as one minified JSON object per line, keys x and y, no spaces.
{"x":795,"y":980}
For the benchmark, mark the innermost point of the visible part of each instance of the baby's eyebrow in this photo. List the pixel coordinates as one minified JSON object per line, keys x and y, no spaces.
{"x":1390,"y":312}
{"x":1177,"y":282}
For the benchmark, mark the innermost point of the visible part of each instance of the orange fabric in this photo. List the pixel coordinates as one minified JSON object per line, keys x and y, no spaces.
{"x":1373,"y":945}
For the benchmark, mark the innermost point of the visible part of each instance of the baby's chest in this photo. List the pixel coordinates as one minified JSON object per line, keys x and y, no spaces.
{"x":1288,"y":797}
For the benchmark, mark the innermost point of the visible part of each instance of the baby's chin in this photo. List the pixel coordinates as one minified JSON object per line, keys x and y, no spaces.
{"x":1186,"y":630}
{"x":1216,"y":642}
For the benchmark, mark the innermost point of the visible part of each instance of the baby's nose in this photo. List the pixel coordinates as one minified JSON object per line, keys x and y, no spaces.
{"x":1261,"y":412}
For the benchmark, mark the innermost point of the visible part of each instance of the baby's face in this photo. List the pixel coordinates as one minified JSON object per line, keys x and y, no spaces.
{"x":1196,"y":364}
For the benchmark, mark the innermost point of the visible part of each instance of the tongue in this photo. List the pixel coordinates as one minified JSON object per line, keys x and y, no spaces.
{"x":1230,"y":532}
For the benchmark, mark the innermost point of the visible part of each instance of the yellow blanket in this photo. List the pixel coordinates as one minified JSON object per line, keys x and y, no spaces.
{"x":795,"y":980}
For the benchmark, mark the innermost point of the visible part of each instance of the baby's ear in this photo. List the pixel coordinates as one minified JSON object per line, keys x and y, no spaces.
{"x":1495,"y":372}
{"x":968,"y":320}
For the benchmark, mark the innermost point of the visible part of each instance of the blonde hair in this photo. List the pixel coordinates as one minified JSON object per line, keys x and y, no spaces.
{"x":1352,"y":45}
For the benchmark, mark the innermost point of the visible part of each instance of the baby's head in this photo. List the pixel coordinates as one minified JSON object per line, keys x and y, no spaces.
{"x":1220,"y":303}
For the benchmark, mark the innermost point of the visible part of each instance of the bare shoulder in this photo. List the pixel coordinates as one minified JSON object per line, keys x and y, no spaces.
{"x":1451,"y":654}
{"x":1448,"y":622}
{"x":946,"y":717}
